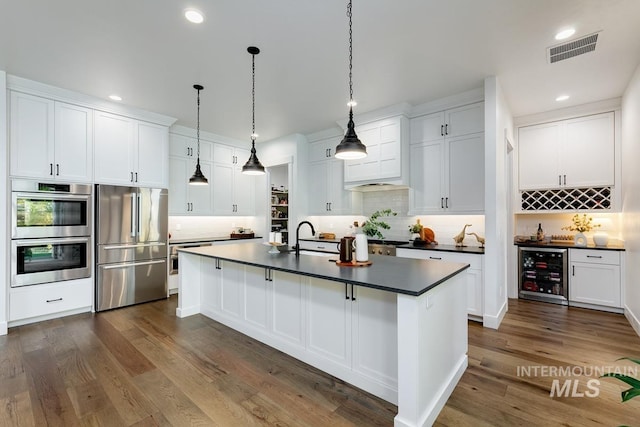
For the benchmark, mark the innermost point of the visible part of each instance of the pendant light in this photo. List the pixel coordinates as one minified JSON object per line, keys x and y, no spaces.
{"x":198,"y":178}
{"x":350,"y":147}
{"x":253,"y":165}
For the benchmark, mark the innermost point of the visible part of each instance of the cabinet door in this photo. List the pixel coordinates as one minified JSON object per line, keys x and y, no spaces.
{"x":243,"y":186}
{"x":211,"y":294}
{"x":224,"y":154}
{"x":329,"y":321}
{"x":233,"y":279}
{"x":465,"y":174}
{"x":588,"y":151}
{"x":288,"y":307}
{"x":114,"y":149}
{"x":340,"y":200}
{"x":375,"y":334}
{"x":178,"y":178}
{"x":427,"y":128}
{"x":368,"y":167}
{"x":475,"y":292}
{"x":200,"y":196}
{"x":318,"y":188}
{"x":464,"y":120}
{"x":32,"y":136}
{"x":221,"y":181}
{"x":324,"y":149}
{"x":184,"y":146}
{"x":256,"y":298}
{"x":538,"y":159}
{"x":152,"y":156}
{"x":73,"y":143}
{"x":427,"y":177}
{"x":595,"y":284}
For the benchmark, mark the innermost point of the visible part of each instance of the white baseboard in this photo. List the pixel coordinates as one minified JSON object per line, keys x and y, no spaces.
{"x":633,"y":319}
{"x":4,"y":329}
{"x":187,"y":311}
{"x":493,"y":322}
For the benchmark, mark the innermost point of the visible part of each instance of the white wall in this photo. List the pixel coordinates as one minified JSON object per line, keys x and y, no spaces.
{"x":4,"y":184}
{"x":498,"y":125}
{"x":631,"y":197}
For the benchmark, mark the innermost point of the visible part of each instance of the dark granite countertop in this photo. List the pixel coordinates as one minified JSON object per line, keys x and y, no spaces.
{"x":393,"y":274}
{"x":206,"y":239}
{"x":569,"y":245}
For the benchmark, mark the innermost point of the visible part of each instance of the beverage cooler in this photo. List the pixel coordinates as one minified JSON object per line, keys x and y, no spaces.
{"x":542,"y":274}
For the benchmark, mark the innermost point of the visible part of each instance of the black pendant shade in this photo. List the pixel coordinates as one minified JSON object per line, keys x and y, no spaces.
{"x":350,"y":147}
{"x":198,"y":177}
{"x":253,"y":165}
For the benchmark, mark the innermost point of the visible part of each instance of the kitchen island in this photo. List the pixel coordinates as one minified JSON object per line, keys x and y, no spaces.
{"x":397,"y":329}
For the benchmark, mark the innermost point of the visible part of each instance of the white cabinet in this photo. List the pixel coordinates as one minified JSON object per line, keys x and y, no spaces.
{"x":327,"y":195}
{"x":573,"y":153}
{"x":233,"y":191}
{"x":130,"y":152}
{"x":32,"y":303}
{"x":447,"y":176}
{"x":355,"y":327}
{"x":387,"y":157}
{"x":50,"y":139}
{"x":288,"y":307}
{"x":185,"y":199}
{"x":232,"y":288}
{"x":594,"y":277}
{"x":447,"y":162}
{"x":474,"y":274}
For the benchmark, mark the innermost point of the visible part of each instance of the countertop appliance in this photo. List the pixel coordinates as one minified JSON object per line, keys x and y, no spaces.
{"x":543,"y":274}
{"x":131,"y":245}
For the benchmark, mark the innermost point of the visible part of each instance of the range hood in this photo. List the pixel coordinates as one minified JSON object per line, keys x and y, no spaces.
{"x":377,"y":186}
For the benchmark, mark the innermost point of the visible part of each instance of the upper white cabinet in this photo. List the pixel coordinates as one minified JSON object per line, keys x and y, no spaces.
{"x":130,"y":152}
{"x":233,"y":191}
{"x":185,"y":199}
{"x":327,"y":195}
{"x":573,"y":153}
{"x":387,"y":156}
{"x":447,"y":161}
{"x":50,"y":139}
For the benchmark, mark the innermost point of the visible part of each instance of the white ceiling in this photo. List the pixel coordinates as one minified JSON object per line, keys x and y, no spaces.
{"x":404,"y":51}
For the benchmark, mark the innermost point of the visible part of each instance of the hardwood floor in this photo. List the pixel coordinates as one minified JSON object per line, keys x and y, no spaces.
{"x":142,"y":366}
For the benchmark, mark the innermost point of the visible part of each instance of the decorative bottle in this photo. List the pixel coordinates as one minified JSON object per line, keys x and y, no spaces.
{"x":540,"y":233}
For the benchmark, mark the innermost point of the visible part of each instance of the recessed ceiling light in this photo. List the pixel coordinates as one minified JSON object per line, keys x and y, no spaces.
{"x":115,"y":97}
{"x":565,"y":34}
{"x":194,"y":16}
{"x":562,"y":98}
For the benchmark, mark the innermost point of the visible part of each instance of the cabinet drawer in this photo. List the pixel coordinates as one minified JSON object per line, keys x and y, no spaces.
{"x":319,"y":246}
{"x":594,"y":256}
{"x":40,"y":300}
{"x":474,"y":261}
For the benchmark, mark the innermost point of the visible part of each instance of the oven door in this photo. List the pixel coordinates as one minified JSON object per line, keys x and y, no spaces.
{"x":35,"y":261}
{"x":37,"y":215}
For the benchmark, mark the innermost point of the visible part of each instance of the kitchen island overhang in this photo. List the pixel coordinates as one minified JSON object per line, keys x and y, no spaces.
{"x":397,"y":329}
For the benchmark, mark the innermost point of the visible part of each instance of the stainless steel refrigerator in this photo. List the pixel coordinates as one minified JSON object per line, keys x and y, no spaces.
{"x":131,"y":245}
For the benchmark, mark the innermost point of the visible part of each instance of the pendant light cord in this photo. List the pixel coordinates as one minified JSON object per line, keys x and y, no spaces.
{"x":253,"y":97}
{"x":350,"y":54}
{"x":198,"y":127}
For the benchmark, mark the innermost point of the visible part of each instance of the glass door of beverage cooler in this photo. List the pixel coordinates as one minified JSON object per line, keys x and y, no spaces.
{"x":543,"y":274}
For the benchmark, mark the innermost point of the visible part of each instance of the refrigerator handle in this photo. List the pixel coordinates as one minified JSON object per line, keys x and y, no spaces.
{"x":134,"y":215}
{"x":138,"y":204}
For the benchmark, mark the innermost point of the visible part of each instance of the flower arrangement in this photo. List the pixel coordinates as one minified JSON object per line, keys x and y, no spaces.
{"x":581,"y":224}
{"x":415,"y":228}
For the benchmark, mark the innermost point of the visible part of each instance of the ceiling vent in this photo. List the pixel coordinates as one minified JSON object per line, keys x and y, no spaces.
{"x":573,"y":48}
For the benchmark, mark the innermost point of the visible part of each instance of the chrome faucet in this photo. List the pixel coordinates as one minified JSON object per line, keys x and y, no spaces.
{"x":313,"y":233}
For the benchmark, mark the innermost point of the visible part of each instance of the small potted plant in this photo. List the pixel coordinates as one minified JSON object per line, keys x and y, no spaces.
{"x":415,"y":230}
{"x":373,"y":224}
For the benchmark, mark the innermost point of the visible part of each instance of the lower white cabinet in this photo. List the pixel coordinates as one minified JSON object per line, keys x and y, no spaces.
{"x":33,"y":303}
{"x":474,"y":274}
{"x":349,"y":331}
{"x":594,"y":277}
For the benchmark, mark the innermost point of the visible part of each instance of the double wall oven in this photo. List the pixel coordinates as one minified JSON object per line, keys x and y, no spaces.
{"x":51,"y":227}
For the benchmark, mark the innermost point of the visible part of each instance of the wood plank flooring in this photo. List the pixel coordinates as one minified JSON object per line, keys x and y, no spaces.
{"x":142,"y":366}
